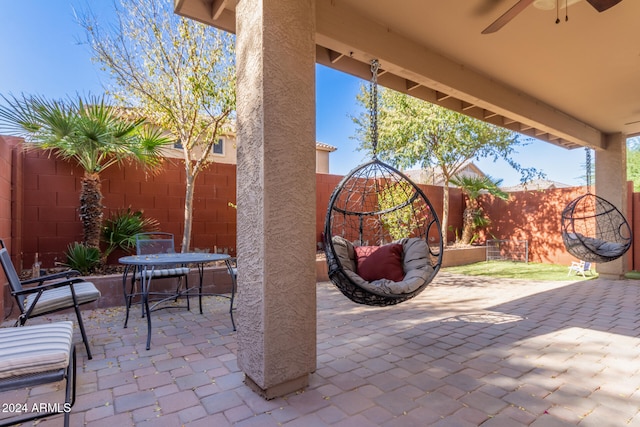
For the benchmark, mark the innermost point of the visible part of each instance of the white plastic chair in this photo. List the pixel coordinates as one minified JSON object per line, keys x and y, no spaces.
{"x":580,"y":267}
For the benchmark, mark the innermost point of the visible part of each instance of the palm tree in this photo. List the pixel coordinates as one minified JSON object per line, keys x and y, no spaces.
{"x":88,"y":131}
{"x":473,"y":187}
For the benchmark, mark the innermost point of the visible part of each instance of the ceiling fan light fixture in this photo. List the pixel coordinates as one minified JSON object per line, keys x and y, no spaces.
{"x":551,"y":4}
{"x":521,"y":5}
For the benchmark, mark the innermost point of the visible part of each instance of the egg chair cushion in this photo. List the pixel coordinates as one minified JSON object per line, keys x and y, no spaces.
{"x":594,"y":246}
{"x":603,"y":248}
{"x":415,"y":264}
{"x":599,"y":246}
{"x":380,"y":262}
{"x":345,"y":253}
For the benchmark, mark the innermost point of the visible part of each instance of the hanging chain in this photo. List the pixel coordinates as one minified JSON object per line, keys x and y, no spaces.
{"x":373,"y":105}
{"x":588,"y":151}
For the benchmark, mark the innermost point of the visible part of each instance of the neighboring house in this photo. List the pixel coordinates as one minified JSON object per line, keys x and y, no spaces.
{"x":433,"y":176}
{"x":535,"y":185}
{"x":322,"y":156}
{"x":224,"y":151}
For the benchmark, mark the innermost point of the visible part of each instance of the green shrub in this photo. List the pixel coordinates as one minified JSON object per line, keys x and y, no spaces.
{"x":85,"y":259}
{"x":399,"y":222}
{"x":120,"y":228}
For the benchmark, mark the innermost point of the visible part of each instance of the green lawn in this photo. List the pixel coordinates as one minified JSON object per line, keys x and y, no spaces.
{"x":517,"y":270}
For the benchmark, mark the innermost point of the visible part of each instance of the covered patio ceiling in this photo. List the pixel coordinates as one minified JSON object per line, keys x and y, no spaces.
{"x":569,"y":84}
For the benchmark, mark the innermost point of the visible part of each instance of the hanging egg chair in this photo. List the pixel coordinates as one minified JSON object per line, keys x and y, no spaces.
{"x":594,"y":230}
{"x":382,"y":237}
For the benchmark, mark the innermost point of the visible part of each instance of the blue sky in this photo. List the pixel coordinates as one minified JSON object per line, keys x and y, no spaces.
{"x":40,"y":54}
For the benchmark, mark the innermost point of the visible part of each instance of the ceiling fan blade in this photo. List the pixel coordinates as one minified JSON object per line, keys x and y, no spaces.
{"x":486,"y":6}
{"x":510,"y":14}
{"x":602,"y":5}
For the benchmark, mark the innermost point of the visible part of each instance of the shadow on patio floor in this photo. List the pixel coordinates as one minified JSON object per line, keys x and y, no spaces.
{"x":466,"y":352}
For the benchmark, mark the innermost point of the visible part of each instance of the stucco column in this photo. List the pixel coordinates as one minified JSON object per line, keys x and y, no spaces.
{"x":276,"y":193}
{"x":611,"y":185}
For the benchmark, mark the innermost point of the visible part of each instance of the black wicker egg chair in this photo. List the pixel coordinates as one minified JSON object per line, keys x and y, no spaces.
{"x":375,"y":204}
{"x":382,"y":237}
{"x":594,"y":230}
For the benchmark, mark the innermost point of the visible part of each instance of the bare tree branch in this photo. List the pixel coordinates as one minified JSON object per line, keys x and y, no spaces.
{"x":179,"y":73}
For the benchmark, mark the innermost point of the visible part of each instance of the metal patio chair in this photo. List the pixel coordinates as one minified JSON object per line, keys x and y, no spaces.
{"x":152,"y":243}
{"x":232,"y":269}
{"x":34,"y":355}
{"x":49,"y":293}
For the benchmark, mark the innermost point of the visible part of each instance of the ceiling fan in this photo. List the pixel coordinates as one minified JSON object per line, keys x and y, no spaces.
{"x":599,"y":5}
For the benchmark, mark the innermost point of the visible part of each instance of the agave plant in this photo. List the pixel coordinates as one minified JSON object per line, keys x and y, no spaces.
{"x":85,"y":259}
{"x":120,"y":229}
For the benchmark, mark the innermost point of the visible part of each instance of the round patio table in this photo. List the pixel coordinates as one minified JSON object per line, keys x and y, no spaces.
{"x":146,"y":264}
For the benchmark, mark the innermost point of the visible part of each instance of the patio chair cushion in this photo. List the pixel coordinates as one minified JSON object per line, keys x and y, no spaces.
{"x":35,"y":348}
{"x":59,"y":298}
{"x":167,"y":272}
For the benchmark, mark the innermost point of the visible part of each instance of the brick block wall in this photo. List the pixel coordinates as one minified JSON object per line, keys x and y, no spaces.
{"x":11,"y":209}
{"x":45,"y":219}
{"x":5,"y":190}
{"x":325,"y":184}
{"x":52,"y":188}
{"x":5,"y":210}
{"x":533,"y":216}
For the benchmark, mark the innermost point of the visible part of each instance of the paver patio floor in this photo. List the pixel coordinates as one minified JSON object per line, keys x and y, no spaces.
{"x":466,"y":352}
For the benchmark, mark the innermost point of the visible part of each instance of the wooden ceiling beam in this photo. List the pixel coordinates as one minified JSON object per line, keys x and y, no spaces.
{"x":441,"y":96}
{"x":335,"y":56}
{"x":342,"y":28}
{"x":411,"y":85}
{"x":466,"y":106}
{"x":217,"y":7}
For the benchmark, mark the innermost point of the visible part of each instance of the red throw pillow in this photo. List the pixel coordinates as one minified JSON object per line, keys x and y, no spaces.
{"x":380,"y":262}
